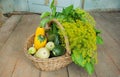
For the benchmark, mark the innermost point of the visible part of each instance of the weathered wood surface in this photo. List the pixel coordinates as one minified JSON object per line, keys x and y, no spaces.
{"x":14,"y":63}
{"x":7,"y":28}
{"x":2,"y":19}
{"x":108,"y":54}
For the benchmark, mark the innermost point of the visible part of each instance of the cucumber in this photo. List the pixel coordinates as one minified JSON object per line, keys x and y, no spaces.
{"x":58,"y":51}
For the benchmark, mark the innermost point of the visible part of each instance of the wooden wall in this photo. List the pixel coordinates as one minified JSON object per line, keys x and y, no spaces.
{"x":102,"y":5}
{"x":43,"y":5}
{"x":21,"y":5}
{"x":6,"y":6}
{"x":39,"y":6}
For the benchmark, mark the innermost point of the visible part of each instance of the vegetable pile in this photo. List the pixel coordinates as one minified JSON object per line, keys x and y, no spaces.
{"x":47,"y":43}
{"x":80,"y":29}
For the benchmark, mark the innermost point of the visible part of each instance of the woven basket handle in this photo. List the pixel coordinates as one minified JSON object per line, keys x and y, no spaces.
{"x":63,"y":32}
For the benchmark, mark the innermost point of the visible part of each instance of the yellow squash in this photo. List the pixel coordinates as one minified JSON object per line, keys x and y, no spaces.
{"x":39,"y":41}
{"x":40,"y":31}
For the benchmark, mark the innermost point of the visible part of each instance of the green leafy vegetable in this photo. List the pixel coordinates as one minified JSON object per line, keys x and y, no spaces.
{"x":45,"y":21}
{"x":97,"y":31}
{"x":52,"y":4}
{"x":99,"y":40}
{"x":68,"y":9}
{"x":53,"y":8}
{"x":90,"y":68}
{"x":77,"y":58}
{"x":45,"y":14}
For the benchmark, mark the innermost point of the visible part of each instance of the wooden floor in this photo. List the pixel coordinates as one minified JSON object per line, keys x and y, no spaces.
{"x":2,"y":19}
{"x":16,"y":29}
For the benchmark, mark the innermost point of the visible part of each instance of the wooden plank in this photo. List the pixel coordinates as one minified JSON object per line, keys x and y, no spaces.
{"x":20,"y":69}
{"x":7,"y":28}
{"x":112,"y":18}
{"x":2,"y":19}
{"x":109,"y":27}
{"x":12,"y":57}
{"x":58,"y":73}
{"x":114,"y":27}
{"x":30,"y":23}
{"x":76,"y":71}
{"x":105,"y":67}
{"x":110,"y":51}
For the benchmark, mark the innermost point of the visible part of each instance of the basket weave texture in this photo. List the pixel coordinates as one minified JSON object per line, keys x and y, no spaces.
{"x":53,"y":63}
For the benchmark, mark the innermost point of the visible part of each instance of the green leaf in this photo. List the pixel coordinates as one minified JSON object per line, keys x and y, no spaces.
{"x":44,"y":22}
{"x":99,"y":40}
{"x":52,"y":4}
{"x":68,"y":10}
{"x":54,"y":28}
{"x":53,"y":11}
{"x":53,"y":8}
{"x":45,"y":14}
{"x":78,"y":59}
{"x":90,"y":68}
{"x":57,"y":40}
{"x":74,"y":59}
{"x":97,"y":31}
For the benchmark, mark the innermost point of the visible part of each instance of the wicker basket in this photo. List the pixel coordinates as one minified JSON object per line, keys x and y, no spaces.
{"x":53,"y":63}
